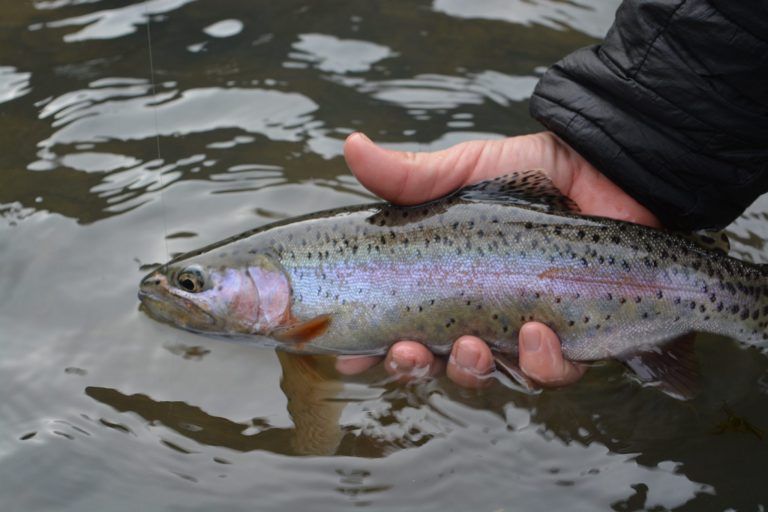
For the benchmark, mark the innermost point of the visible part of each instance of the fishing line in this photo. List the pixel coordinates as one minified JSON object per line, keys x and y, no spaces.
{"x":157,"y":129}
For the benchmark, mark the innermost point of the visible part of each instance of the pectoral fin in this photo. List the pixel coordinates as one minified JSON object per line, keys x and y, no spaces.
{"x":303,"y":331}
{"x":671,"y":367}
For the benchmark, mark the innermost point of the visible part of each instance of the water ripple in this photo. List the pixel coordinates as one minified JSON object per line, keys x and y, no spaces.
{"x":329,"y":53}
{"x":430,"y":92}
{"x":13,"y":83}
{"x":114,"y":23}
{"x":591,"y":18}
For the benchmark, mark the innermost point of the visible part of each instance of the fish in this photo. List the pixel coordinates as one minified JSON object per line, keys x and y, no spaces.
{"x":481,"y":261}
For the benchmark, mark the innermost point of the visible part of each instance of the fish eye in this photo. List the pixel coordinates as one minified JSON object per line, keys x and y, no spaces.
{"x":191,"y":279}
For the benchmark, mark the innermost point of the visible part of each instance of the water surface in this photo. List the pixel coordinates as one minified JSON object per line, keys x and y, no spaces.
{"x":104,"y":171}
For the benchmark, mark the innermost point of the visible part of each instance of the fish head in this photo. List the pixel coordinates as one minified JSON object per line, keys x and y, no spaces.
{"x":250,"y":298}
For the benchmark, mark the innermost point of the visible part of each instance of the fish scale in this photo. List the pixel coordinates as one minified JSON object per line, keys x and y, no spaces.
{"x":483,"y":261}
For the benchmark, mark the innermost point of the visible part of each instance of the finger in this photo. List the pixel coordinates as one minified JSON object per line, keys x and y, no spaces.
{"x":470,"y":363}
{"x":592,"y":190}
{"x":410,"y":178}
{"x":541,"y":357}
{"x":352,"y":365}
{"x":408,"y":359}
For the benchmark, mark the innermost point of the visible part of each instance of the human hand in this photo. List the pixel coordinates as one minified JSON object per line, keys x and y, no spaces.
{"x":413,"y":178}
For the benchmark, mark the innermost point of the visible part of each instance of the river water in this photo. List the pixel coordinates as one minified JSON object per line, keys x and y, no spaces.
{"x":103,"y":172}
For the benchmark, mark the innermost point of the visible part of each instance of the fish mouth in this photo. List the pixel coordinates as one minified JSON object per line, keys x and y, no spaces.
{"x":169,"y":310}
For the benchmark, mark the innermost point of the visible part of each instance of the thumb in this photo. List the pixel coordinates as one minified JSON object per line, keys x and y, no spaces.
{"x":541,"y":357}
{"x":410,"y":178}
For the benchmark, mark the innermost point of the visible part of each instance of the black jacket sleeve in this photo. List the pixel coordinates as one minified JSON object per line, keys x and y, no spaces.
{"x":672,"y":106}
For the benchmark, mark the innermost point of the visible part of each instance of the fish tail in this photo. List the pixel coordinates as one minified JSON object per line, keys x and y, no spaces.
{"x":753,"y":310}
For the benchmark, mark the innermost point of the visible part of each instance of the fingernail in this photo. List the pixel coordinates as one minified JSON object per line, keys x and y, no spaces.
{"x":402,"y":360}
{"x":402,"y":365}
{"x":531,"y":341}
{"x":364,"y":136}
{"x":467,"y":356}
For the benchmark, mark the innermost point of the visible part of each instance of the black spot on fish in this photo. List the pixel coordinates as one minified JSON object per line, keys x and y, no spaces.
{"x":659,"y":294}
{"x":734,"y":309}
{"x":595,"y":238}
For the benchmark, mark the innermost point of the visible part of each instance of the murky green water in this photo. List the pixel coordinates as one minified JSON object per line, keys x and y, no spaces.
{"x":103,"y":409}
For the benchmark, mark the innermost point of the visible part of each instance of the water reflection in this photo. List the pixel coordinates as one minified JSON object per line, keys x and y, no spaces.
{"x":313,"y":404}
{"x":224,"y":28}
{"x":592,"y":17}
{"x":450,"y":92}
{"x":329,"y":53}
{"x":99,"y":115}
{"x":111,"y":23}
{"x":13,"y":84}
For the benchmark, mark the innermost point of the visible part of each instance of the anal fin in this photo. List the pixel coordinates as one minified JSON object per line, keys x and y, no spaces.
{"x":510,"y":367}
{"x":671,"y":367}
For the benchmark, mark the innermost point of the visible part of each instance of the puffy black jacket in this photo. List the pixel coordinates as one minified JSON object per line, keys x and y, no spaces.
{"x":672,"y":106}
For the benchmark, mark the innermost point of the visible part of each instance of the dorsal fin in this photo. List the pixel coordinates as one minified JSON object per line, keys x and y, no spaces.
{"x":531,"y":188}
{"x":710,"y":239}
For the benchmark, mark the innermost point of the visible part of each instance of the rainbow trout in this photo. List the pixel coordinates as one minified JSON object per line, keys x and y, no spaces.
{"x":481,"y":261}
